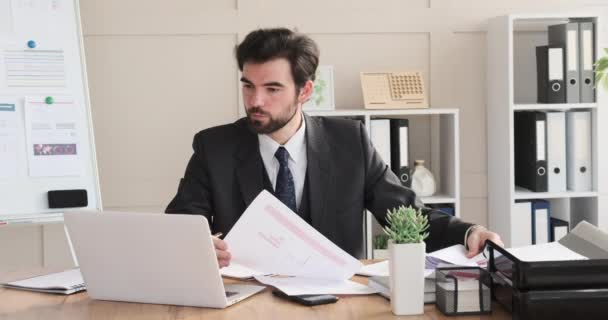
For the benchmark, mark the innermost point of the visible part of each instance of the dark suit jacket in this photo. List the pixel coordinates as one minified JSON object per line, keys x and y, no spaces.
{"x":345,"y":176}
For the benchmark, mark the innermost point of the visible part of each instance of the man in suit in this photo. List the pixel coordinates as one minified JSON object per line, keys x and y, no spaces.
{"x":325,"y":169}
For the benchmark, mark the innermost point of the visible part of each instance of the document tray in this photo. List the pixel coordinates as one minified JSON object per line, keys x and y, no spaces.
{"x":547,"y":275}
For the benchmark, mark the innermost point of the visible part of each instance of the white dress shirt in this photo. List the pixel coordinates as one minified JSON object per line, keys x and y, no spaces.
{"x":296,"y":147}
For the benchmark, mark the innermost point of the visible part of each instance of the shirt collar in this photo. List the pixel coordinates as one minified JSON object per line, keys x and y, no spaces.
{"x":296,"y":145}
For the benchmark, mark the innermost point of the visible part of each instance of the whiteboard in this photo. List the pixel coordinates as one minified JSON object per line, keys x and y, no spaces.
{"x":46,"y":131}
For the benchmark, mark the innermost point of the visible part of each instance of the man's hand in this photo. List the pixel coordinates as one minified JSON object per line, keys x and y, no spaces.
{"x":477,"y":239}
{"x":221,"y":251}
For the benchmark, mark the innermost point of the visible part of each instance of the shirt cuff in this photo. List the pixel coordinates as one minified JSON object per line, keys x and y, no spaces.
{"x":466,"y":235}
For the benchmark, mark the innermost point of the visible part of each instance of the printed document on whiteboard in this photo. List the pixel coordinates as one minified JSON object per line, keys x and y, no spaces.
{"x":272,"y":239}
{"x":52,"y":137}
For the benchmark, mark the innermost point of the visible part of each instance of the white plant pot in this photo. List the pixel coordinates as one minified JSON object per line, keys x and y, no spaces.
{"x":381,"y":254}
{"x":406,"y":269}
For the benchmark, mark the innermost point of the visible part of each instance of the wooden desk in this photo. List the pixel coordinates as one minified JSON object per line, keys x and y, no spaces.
{"x":16,"y":304}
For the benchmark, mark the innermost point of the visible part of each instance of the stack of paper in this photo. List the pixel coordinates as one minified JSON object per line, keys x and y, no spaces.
{"x":450,"y":256}
{"x":383,"y":286}
{"x":275,"y":245}
{"x":66,"y":282}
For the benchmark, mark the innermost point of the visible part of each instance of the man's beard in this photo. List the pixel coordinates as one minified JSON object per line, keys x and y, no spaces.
{"x":273,"y":124}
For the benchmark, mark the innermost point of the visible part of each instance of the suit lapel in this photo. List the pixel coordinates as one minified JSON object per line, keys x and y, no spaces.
{"x":318,"y":171}
{"x":249,"y":169}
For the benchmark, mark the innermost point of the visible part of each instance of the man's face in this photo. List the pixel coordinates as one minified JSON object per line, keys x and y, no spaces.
{"x":269,"y":94}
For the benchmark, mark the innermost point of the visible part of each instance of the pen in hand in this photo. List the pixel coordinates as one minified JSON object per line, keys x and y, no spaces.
{"x":217,"y":234}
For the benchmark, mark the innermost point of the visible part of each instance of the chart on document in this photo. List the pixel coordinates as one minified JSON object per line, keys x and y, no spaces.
{"x":271,"y":238}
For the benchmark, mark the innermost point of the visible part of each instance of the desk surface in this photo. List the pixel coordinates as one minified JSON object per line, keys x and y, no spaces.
{"x":16,"y":304}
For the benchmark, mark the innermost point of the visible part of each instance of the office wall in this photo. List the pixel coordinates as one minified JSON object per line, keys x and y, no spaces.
{"x":159,"y":71}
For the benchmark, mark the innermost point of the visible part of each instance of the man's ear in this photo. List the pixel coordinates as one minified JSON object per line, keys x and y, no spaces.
{"x":306,"y":91}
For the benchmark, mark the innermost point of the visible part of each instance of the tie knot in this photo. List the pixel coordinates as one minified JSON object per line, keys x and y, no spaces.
{"x":282,"y":155}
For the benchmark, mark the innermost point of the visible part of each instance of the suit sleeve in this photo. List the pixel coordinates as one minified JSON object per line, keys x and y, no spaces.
{"x":384,"y":191}
{"x":194,"y":193}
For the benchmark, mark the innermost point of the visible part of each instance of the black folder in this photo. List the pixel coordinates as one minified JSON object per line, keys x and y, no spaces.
{"x":550,"y":74}
{"x":400,"y":146}
{"x":531,"y":150}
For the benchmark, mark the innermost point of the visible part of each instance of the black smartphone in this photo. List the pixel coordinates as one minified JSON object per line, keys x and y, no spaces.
{"x":308,"y":299}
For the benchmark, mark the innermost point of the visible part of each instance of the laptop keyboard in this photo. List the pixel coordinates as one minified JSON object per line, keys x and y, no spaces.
{"x":230,"y":294}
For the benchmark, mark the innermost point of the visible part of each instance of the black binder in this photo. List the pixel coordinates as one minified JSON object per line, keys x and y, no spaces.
{"x":400,"y":146}
{"x":531,"y":150}
{"x":550,"y":74}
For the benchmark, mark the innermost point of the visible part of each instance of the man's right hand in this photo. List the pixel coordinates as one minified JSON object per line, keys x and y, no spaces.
{"x":221,"y":251}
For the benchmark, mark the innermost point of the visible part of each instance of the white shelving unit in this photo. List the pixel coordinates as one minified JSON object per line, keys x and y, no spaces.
{"x":511,"y":77}
{"x":443,"y":152}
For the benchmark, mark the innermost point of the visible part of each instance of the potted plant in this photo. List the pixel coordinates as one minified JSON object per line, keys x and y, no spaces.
{"x":380,"y":244}
{"x":406,"y":230}
{"x":601,"y":70}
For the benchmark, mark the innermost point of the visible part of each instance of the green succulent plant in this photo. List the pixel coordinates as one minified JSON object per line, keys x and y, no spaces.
{"x":406,"y":225}
{"x":380,"y":241}
{"x":601,"y":71}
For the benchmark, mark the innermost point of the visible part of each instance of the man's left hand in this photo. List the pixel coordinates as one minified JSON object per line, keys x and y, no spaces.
{"x":477,"y":239}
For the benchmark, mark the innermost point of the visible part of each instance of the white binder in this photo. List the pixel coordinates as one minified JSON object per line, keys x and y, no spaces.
{"x":381,"y":138}
{"x":556,"y":151}
{"x":578,"y":150}
{"x":521,"y":226}
{"x":587,"y":58}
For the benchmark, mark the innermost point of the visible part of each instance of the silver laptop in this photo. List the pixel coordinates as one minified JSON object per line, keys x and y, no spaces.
{"x":150,"y":258}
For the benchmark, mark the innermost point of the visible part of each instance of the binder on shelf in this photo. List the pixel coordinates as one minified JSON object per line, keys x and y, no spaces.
{"x":550,"y":74}
{"x":566,"y":36}
{"x":541,"y":228}
{"x":578,"y":150}
{"x":556,"y":151}
{"x":521,"y":227}
{"x":400,"y":146}
{"x":443,"y":207}
{"x":380,"y":131}
{"x":586,"y":47}
{"x":559,"y":229}
{"x":531,"y":150}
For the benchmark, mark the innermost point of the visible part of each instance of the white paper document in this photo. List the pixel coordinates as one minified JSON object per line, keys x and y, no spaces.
{"x":300,"y":285}
{"x":52,"y":137}
{"x":9,"y":124}
{"x":552,"y":251}
{"x":235,"y":270}
{"x":34,"y":69}
{"x":378,"y":269}
{"x":65,"y":282}
{"x":270,"y":238}
{"x":454,"y":255}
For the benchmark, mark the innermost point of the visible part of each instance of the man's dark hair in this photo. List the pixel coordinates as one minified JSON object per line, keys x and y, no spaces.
{"x":263,"y":45}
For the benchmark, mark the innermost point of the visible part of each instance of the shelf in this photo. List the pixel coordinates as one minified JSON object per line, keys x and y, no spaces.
{"x":554,"y":106}
{"x":380,"y":112}
{"x":438,"y":198}
{"x":521,"y":194}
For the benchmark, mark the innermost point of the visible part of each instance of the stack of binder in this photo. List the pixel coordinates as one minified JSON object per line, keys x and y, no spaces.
{"x":554,"y":289}
{"x":553,"y":150}
{"x":565,"y":67}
